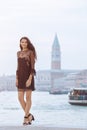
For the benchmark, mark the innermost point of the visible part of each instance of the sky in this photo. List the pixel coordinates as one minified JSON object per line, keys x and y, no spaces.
{"x":40,"y":20}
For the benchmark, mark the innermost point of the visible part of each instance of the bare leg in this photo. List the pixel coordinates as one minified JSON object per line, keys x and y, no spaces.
{"x":26,"y":105}
{"x":28,"y":102}
{"x":21,"y":99}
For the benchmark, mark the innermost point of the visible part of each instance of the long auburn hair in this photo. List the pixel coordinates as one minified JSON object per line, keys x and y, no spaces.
{"x":30,"y":46}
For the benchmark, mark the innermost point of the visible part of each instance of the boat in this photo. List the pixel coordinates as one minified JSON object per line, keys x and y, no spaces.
{"x":78,"y":96}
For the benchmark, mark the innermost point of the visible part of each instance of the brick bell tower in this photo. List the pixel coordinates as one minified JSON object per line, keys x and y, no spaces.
{"x":56,"y":55}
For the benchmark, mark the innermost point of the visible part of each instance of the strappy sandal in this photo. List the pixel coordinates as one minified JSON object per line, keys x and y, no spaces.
{"x":26,"y":122}
{"x":32,"y":117}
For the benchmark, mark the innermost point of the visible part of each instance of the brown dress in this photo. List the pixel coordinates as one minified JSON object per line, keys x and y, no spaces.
{"x":26,"y":62}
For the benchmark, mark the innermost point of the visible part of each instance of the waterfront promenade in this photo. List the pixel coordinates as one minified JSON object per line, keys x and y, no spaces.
{"x":37,"y":128}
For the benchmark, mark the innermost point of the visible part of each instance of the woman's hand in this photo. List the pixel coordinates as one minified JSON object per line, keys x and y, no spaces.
{"x":16,"y":82}
{"x":28,"y":82}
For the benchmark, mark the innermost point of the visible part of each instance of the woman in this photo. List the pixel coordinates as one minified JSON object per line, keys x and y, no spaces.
{"x":25,"y":76}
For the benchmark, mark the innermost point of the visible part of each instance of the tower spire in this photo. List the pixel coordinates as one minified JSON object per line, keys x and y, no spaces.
{"x":56,"y":58}
{"x":56,"y":42}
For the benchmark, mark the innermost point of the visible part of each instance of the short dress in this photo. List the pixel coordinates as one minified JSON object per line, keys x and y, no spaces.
{"x":26,"y":66}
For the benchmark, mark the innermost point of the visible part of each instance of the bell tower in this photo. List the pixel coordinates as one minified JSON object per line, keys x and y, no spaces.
{"x":56,"y":55}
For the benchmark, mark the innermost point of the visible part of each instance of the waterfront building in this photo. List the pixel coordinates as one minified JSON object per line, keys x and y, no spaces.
{"x":56,"y":55}
{"x":56,"y":78}
{"x":7,"y":83}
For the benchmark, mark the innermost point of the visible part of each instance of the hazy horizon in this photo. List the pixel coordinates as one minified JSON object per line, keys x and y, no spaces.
{"x":40,"y":20}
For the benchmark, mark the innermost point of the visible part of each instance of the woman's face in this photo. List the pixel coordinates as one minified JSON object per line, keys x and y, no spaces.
{"x":24,"y":43}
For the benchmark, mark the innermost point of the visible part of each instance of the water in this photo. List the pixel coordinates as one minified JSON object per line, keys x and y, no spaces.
{"x":50,"y":110}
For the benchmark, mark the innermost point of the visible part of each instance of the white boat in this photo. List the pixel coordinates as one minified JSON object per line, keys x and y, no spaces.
{"x":78,"y":96}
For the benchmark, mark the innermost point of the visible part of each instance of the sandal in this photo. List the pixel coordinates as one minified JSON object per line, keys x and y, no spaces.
{"x":31,"y":117}
{"x":27,"y":121}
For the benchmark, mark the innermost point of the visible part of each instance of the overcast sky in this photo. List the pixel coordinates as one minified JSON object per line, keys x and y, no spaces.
{"x":40,"y":20}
